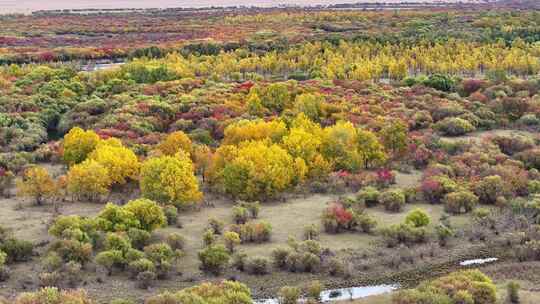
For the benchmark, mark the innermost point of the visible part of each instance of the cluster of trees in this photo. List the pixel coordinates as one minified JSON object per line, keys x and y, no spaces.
{"x":259,"y":159}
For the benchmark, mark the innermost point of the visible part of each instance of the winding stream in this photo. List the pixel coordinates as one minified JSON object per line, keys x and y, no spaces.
{"x":359,"y":292}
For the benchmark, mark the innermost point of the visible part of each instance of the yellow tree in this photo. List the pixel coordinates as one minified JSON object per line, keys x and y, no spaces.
{"x":175,"y":142}
{"x":261,"y":171}
{"x":371,"y":151}
{"x":37,"y":184}
{"x":170,"y":180}
{"x":121,"y":163}
{"x":88,"y":180}
{"x":340,"y":146}
{"x":245,"y":130}
{"x":78,"y":144}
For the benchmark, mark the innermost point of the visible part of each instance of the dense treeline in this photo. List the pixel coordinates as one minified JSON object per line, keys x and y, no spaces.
{"x":90,"y":37}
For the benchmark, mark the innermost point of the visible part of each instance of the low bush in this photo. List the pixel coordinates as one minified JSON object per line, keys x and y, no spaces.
{"x":110,"y":260}
{"x":393,"y":199}
{"x":253,"y":232}
{"x":240,"y":215}
{"x":226,"y":292}
{"x":489,"y":189}
{"x":214,"y":259}
{"x":513,"y":292}
{"x":216,"y":226}
{"x":460,"y":202}
{"x":17,"y":250}
{"x":403,"y":234}
{"x":369,"y":196}
{"x":231,"y":240}
{"x":336,"y":218}
{"x":72,"y":250}
{"x":454,"y":126}
{"x":138,"y":237}
{"x":257,"y":265}
{"x":365,"y":222}
{"x":311,"y":232}
{"x":52,"y":295}
{"x":417,"y":218}
{"x":171,"y":213}
{"x":289,"y":295}
{"x":176,"y":241}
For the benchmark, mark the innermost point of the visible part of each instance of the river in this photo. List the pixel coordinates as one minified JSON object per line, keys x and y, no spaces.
{"x":27,"y":6}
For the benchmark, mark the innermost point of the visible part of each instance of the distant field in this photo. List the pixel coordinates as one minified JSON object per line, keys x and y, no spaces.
{"x":28,"y":6}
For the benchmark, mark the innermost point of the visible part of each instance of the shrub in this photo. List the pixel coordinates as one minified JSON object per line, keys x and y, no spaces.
{"x":336,"y":218}
{"x":149,"y":214}
{"x":279,"y":256}
{"x":239,"y":261}
{"x":253,"y":232}
{"x":216,"y":225}
{"x":3,"y":258}
{"x":209,"y":238}
{"x":73,"y":250}
{"x":110,"y":260}
{"x":214,"y":259}
{"x":253,"y":208}
{"x":440,"y":82}
{"x":443,"y":234}
{"x":436,"y":187}
{"x":226,"y":292}
{"x":17,"y":250}
{"x":176,"y":241}
{"x":403,"y":234}
{"x":393,"y":199}
{"x":369,"y":196}
{"x":513,"y":144}
{"x":257,"y":266}
{"x":489,"y":189}
{"x":314,"y":290}
{"x":417,"y":218}
{"x":51,"y":295}
{"x":171,"y":213}
{"x":460,"y":202}
{"x":49,"y":279}
{"x":365,"y":221}
{"x":141,"y":265}
{"x":240,"y":214}
{"x":336,"y":267}
{"x":513,"y":292}
{"x":454,"y":126}
{"x":160,"y":253}
{"x":146,"y":278}
{"x":231,"y":240}
{"x":117,"y":241}
{"x":138,"y":237}
{"x":311,"y":232}
{"x":289,"y":295}
{"x":531,"y":158}
{"x":470,"y":286}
